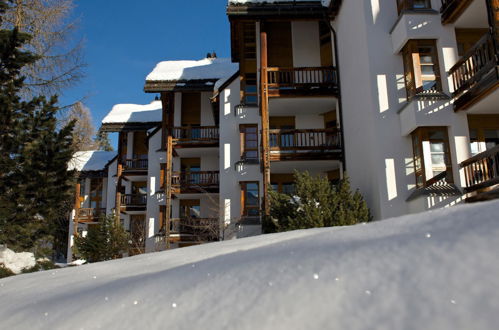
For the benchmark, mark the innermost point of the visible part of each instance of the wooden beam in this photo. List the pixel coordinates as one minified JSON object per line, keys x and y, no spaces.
{"x":168,"y":100}
{"x":119,"y":174}
{"x":264,"y":109}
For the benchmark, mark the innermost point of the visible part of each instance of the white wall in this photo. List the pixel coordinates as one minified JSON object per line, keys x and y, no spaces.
{"x":230,"y":174}
{"x":379,"y":157}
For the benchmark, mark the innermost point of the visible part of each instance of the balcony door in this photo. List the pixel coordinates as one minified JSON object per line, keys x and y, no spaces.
{"x":280,"y":44}
{"x":284,"y":124}
{"x":140,"y":149}
{"x":190,"y":168}
{"x":484,"y":132}
{"x":191,"y":115}
{"x":96,"y":193}
{"x":190,"y":208}
{"x":138,"y":233}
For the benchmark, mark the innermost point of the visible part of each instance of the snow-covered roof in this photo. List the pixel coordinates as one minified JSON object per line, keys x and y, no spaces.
{"x":134,"y":113}
{"x":435,"y":270}
{"x":90,"y":160}
{"x":325,"y":3}
{"x":205,"y":69}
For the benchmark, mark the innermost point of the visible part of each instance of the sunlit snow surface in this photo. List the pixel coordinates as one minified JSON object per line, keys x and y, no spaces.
{"x":436,"y":270}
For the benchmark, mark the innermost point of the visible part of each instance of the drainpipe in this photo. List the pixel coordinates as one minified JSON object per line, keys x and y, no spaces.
{"x":340,"y":103}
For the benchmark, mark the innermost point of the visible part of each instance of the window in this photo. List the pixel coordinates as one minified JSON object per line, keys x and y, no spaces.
{"x":249,"y":142}
{"x":421,"y":68}
{"x":250,"y":199}
{"x":413,"y":5}
{"x":96,"y":193}
{"x":431,"y":155}
{"x":249,"y":89}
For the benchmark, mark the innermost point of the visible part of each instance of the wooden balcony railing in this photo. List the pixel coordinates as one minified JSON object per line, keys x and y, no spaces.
{"x":313,"y":80}
{"x":477,"y":65}
{"x":134,"y":200}
{"x":413,"y":5}
{"x":199,"y":181}
{"x":482,"y":170}
{"x":196,"y":136}
{"x":90,"y":215}
{"x":136,"y":164}
{"x":196,"y":229}
{"x":289,"y":144}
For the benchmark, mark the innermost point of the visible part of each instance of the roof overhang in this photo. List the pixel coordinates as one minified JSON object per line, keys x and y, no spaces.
{"x":298,"y":9}
{"x":200,"y":85}
{"x":128,"y":127}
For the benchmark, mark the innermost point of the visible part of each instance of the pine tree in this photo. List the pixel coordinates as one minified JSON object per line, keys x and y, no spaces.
{"x":106,"y":241}
{"x":34,"y":182}
{"x":315,"y":203}
{"x":102,"y":141}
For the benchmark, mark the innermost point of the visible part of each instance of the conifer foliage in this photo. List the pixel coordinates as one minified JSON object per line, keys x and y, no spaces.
{"x":106,"y":241}
{"x":35,"y":186}
{"x":316,"y":203}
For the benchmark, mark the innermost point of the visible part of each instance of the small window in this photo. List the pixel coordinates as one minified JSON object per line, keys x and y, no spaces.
{"x":250,"y":196}
{"x":431,"y":155}
{"x":249,"y":142}
{"x":421,"y":68}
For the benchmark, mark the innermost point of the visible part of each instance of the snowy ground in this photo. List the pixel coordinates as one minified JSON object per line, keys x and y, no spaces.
{"x":436,"y":270}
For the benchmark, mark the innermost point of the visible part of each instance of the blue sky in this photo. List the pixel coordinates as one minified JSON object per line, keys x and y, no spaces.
{"x":124,"y":39}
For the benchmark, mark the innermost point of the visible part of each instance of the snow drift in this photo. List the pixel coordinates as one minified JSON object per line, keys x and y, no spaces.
{"x":436,"y":270}
{"x":16,"y":262}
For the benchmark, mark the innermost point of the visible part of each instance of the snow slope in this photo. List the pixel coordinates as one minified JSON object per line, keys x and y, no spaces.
{"x":436,"y":270}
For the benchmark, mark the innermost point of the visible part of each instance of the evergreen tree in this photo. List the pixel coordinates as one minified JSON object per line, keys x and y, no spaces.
{"x":102,"y":141}
{"x":106,"y":241}
{"x":34,"y":182}
{"x":315,"y":203}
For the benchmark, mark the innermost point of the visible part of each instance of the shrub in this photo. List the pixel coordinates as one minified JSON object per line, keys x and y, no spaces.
{"x":315,"y":203}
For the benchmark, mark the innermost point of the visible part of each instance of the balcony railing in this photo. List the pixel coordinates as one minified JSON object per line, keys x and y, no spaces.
{"x":198,"y":181}
{"x":413,"y":5}
{"x":196,"y":229}
{"x":313,"y":81}
{"x":90,"y":215}
{"x":289,"y":144}
{"x":477,"y":65}
{"x":482,"y":170}
{"x":134,"y":200}
{"x":135,"y":164}
{"x":196,"y":136}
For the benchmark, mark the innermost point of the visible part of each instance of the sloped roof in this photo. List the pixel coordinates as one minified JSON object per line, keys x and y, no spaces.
{"x":134,"y":113}
{"x":84,"y":161}
{"x":189,"y":75}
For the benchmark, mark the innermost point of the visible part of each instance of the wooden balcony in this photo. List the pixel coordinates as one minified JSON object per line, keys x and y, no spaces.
{"x":476,"y":74}
{"x":135,"y":165}
{"x":452,"y":9}
{"x":194,"y":137}
{"x":89,"y":215}
{"x":194,"y":230}
{"x":313,"y":81}
{"x":482,"y":170}
{"x":304,"y":144}
{"x":196,"y":182}
{"x":134,"y":200}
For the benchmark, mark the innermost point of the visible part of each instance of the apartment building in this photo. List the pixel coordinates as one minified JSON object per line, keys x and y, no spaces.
{"x":401,"y":95}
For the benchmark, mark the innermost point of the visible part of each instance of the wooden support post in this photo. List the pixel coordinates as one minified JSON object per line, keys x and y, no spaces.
{"x":119,"y":175}
{"x":168,"y":100}
{"x":264,"y":109}
{"x":76,"y":207}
